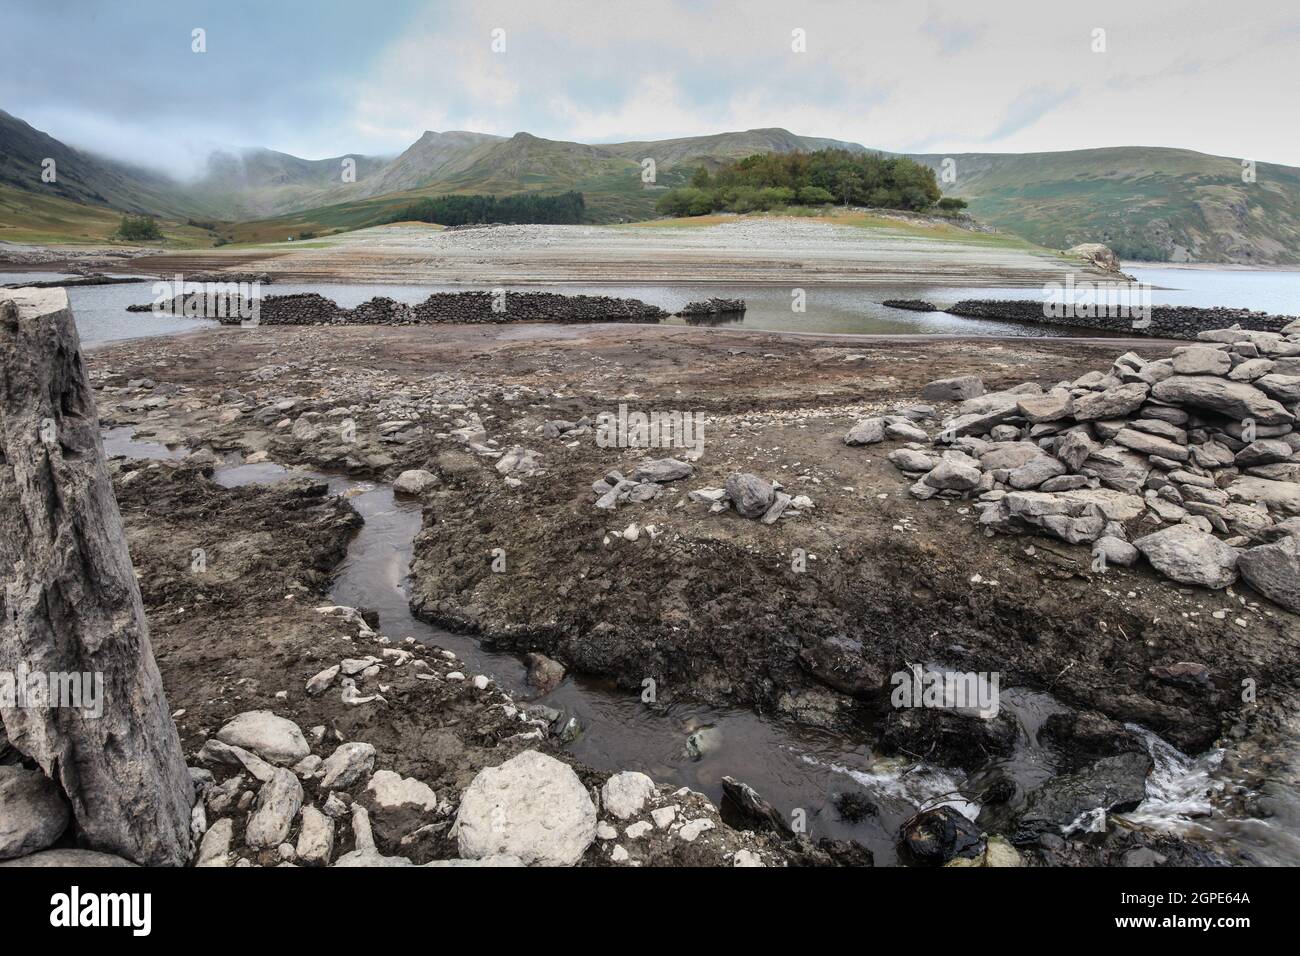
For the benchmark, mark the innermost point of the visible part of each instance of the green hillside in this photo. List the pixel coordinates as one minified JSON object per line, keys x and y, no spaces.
{"x":1145,"y":203}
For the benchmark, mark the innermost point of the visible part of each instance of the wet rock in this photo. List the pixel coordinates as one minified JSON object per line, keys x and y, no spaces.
{"x":1081,"y":738}
{"x":278,"y":803}
{"x":745,"y":809}
{"x":532,"y":806}
{"x":948,"y":737}
{"x":415,"y":482}
{"x":934,"y":837}
{"x":273,"y":738}
{"x":1189,"y":556}
{"x":750,"y":495}
{"x":1112,"y":784}
{"x":33,"y":813}
{"x":544,"y":673}
{"x":1274,"y":571}
{"x":347,"y":766}
{"x":624,"y":794}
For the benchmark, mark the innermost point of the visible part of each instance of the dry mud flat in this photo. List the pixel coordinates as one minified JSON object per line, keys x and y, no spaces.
{"x":745,"y":251}
{"x":707,"y":605}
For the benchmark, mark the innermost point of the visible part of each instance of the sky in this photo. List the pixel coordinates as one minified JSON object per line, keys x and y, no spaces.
{"x":320,"y":78}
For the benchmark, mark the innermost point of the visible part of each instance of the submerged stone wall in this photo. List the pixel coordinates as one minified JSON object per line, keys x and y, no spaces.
{"x":1167,"y":321}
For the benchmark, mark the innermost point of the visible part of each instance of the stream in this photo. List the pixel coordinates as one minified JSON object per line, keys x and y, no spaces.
{"x":794,"y":768}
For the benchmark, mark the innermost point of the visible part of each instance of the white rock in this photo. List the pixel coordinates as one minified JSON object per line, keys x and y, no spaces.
{"x":690,"y":831}
{"x":663,"y":817}
{"x":278,"y":803}
{"x":624,"y":794}
{"x":347,"y":766}
{"x":215,"y":848}
{"x":415,"y":482}
{"x":271,"y":737}
{"x":747,"y":858}
{"x":637,"y":830}
{"x":316,"y":838}
{"x":388,"y":790}
{"x":532,"y":806}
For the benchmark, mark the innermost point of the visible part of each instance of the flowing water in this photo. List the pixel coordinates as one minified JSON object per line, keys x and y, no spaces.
{"x":796,"y":769}
{"x":102,"y":316}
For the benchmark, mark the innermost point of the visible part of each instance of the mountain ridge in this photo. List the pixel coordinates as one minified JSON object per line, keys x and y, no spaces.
{"x":1156,"y":203}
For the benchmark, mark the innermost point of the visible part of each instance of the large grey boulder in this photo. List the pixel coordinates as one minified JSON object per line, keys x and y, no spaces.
{"x":955,"y":389}
{"x":1149,"y":444}
{"x":1189,"y":556}
{"x":33,"y":814}
{"x":1281,"y":496}
{"x":1118,"y":468}
{"x":416,"y":481}
{"x":951,"y":475}
{"x":1284,"y":388}
{"x":868,"y":431}
{"x":1118,"y":402}
{"x":75,"y":859}
{"x":1274,"y":571}
{"x":1265,"y":451}
{"x":662,"y":469}
{"x":277,"y":804}
{"x":268,"y":735}
{"x":750,"y":495}
{"x":532,"y":806}
{"x":72,"y":599}
{"x":1235,"y":399}
{"x":1201,"y":360}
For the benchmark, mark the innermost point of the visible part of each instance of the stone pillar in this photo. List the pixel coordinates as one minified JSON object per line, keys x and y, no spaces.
{"x":70,"y":600}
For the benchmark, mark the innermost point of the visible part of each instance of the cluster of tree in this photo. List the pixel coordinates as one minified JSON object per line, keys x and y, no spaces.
{"x":773,"y":180}
{"x":519,"y":208}
{"x":138,"y":229}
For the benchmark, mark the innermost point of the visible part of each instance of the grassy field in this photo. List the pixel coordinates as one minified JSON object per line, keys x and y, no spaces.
{"x":50,"y":220}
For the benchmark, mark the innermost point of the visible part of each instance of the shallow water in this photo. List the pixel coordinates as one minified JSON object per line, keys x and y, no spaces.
{"x":102,"y":316}
{"x":796,"y":769}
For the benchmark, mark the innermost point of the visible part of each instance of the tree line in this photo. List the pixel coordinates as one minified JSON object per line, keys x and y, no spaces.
{"x":767,"y":181}
{"x":561,"y":208}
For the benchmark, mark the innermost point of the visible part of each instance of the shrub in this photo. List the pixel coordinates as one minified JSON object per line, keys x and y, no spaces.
{"x":138,"y":229}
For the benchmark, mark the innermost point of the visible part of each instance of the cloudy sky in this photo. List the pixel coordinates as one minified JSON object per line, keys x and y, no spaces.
{"x":323,"y":77}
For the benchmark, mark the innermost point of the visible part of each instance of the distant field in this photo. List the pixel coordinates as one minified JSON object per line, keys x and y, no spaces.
{"x":50,"y":220}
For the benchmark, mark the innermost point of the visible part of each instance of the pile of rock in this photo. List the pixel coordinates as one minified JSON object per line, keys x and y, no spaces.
{"x":712,"y":306}
{"x":309,"y":308}
{"x":752,"y":497}
{"x":910,"y":305}
{"x":1190,"y":460}
{"x":644,"y":484}
{"x":1165,"y":321}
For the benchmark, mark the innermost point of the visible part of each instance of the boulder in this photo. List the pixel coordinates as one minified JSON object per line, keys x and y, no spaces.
{"x":868,"y":431}
{"x":956,"y":389}
{"x":1112,"y":784}
{"x":1284,"y":388}
{"x":1281,"y":496}
{"x":1117,"y":402}
{"x":624,"y":794}
{"x":347,"y":766}
{"x":316,"y":838}
{"x":1115,"y":551}
{"x":33,"y":813}
{"x":951,"y":475}
{"x":1265,"y":451}
{"x":1149,"y":444}
{"x":74,"y":859}
{"x":1190,"y":556}
{"x":532,"y":806}
{"x":1201,"y":360}
{"x":1274,"y":571}
{"x":416,"y":481}
{"x":273,"y":738}
{"x":278,"y":803}
{"x":1049,"y":408}
{"x":1035,"y":472}
{"x":215,"y":848}
{"x":662,"y":469}
{"x":750,"y":495}
{"x":544,"y":673}
{"x":1235,"y":399}
{"x":936,"y":836}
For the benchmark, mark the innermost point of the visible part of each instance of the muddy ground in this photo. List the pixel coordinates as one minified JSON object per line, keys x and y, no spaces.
{"x":710,"y":606}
